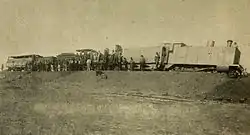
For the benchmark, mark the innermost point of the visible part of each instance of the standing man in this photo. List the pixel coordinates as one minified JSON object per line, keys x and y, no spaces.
{"x":70,"y":64}
{"x":26,"y":68}
{"x":93,"y":64}
{"x":102,"y":62}
{"x":59,"y":66}
{"x":2,"y":67}
{"x":119,"y":61}
{"x":99,"y":56}
{"x":112,"y":60}
{"x":46,"y":65}
{"x":73,"y":65}
{"x":132,"y":64}
{"x":157,"y":60}
{"x":142,"y":63}
{"x":65,"y":65}
{"x":89,"y":64}
{"x":106,"y":58}
{"x":51,"y":67}
{"x":99,"y":61}
{"x":125,"y":62}
{"x":39,"y":65}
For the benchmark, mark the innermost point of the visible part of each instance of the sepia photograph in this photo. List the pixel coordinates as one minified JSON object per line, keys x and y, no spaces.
{"x":124,"y":67}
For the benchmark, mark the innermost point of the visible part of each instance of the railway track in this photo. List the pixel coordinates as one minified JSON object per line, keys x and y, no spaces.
{"x":164,"y":98}
{"x":148,"y":97}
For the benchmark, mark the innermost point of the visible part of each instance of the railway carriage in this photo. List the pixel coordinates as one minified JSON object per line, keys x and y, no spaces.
{"x":21,"y":62}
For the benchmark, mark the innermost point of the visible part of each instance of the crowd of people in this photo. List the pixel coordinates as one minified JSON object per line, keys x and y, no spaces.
{"x":90,"y":61}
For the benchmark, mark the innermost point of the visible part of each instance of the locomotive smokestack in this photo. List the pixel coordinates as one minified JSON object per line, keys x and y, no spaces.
{"x":229,"y":43}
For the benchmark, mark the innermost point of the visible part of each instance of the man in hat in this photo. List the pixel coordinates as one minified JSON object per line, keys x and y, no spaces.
{"x":229,"y":43}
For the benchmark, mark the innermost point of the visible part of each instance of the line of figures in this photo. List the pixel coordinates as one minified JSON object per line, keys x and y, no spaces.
{"x":87,"y":63}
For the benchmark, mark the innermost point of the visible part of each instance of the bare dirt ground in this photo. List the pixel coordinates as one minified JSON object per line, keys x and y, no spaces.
{"x":127,"y":103}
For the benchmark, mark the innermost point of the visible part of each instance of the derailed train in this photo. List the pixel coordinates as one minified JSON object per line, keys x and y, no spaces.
{"x":181,"y":57}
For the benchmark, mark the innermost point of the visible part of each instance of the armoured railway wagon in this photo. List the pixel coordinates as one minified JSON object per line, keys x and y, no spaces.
{"x":181,"y":57}
{"x":22,"y":62}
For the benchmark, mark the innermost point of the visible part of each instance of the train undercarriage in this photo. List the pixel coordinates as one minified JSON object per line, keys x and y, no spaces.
{"x":233,"y":71}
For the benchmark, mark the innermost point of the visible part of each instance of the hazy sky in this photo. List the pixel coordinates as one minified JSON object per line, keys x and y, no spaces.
{"x":53,"y":26}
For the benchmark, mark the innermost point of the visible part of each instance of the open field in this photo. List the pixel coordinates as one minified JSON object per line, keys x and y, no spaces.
{"x":130,"y":103}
